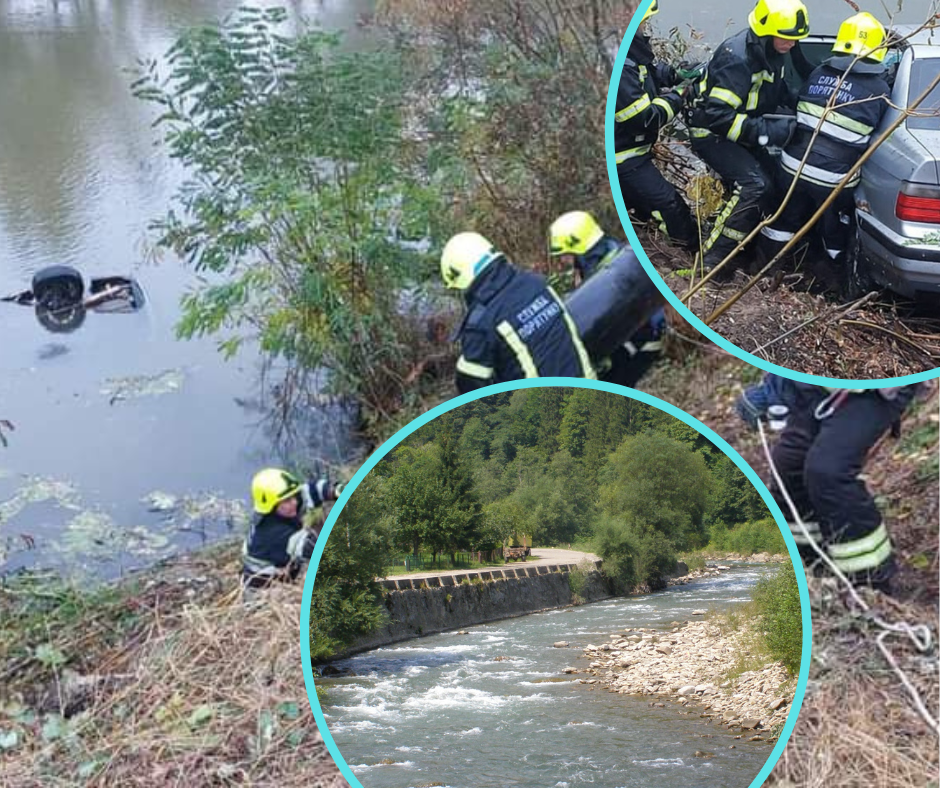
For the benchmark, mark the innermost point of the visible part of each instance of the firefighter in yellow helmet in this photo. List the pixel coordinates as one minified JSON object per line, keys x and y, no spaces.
{"x":843,"y":126}
{"x":515,"y":326}
{"x":734,"y":119}
{"x":278,"y":543}
{"x":576,"y":238}
{"x":646,"y":101}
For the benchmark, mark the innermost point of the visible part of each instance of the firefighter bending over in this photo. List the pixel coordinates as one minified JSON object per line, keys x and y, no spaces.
{"x":515,"y":325}
{"x":639,"y":114}
{"x":820,"y":455}
{"x":576,"y":238}
{"x":733,"y":122}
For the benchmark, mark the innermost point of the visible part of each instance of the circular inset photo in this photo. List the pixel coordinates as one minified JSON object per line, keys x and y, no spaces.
{"x":555,"y":583}
{"x":779,"y":165}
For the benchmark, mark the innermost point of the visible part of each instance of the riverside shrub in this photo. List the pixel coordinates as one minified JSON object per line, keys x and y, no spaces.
{"x":778,"y":603}
{"x":758,"y":536}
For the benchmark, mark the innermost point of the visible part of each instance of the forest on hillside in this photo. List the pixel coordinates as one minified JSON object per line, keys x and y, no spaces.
{"x":555,"y":466}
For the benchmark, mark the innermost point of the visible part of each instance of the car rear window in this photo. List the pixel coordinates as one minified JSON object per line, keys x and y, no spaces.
{"x":923,"y":72}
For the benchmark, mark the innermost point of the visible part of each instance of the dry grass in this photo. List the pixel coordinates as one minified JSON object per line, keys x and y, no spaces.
{"x":783,"y":321}
{"x":858,"y":727}
{"x":209,"y":693}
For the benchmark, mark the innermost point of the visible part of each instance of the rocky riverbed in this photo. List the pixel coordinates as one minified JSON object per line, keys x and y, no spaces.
{"x":689,"y":664}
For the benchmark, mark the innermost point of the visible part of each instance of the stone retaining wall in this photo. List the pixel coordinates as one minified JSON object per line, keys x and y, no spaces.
{"x":426,"y":606}
{"x":439,"y":581}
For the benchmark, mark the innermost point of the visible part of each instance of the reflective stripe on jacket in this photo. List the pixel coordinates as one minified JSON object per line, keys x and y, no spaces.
{"x":845,"y":128}
{"x":517,"y":327}
{"x":640,"y":111}
{"x":743,"y":82}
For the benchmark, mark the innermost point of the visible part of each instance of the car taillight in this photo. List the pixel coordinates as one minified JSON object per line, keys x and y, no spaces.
{"x":918,"y":202}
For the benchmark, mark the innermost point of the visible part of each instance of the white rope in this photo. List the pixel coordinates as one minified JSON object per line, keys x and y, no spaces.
{"x":919,"y":634}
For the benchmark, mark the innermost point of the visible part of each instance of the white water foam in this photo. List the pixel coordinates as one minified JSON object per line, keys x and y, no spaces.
{"x":660,"y":763}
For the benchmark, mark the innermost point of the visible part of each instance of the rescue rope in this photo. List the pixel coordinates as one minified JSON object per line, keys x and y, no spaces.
{"x":919,"y":634}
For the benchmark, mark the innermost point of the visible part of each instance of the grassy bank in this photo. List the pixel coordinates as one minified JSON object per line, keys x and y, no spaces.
{"x":166,"y":679}
{"x":858,"y":725}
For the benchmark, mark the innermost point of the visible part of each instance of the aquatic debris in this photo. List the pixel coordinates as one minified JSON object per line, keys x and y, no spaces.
{"x":192,"y":512}
{"x":158,"y":501}
{"x":95,"y":534}
{"x":35,"y":490}
{"x":134,"y":386}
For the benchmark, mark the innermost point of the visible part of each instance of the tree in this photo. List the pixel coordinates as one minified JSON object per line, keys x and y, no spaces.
{"x":575,"y":418}
{"x":461,"y":524}
{"x":298,"y":190}
{"x":734,"y":498}
{"x":413,"y":495}
{"x":345,"y":601}
{"x":657,"y":484}
{"x":519,"y":90}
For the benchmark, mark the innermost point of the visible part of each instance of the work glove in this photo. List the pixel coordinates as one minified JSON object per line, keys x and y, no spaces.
{"x":666,"y":76}
{"x":687,"y":71}
{"x":676,"y":100}
{"x":776,"y":132}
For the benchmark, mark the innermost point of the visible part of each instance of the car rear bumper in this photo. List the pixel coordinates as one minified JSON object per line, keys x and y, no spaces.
{"x":907,"y":269}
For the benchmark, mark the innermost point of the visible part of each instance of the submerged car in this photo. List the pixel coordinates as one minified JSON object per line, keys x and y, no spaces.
{"x":898,"y":200}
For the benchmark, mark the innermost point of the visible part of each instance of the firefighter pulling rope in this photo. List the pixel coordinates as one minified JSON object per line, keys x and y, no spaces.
{"x":919,"y":634}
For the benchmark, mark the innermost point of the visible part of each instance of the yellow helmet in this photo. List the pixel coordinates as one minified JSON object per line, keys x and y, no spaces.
{"x":574,"y":232}
{"x":464,"y":258}
{"x":653,"y":9}
{"x":270,"y":487}
{"x":780,"y":18}
{"x":861,"y":35}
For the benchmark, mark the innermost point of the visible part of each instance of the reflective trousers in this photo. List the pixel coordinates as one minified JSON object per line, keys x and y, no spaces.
{"x":835,"y":225}
{"x":748,"y":175}
{"x":646,"y":191}
{"x":820,"y":459}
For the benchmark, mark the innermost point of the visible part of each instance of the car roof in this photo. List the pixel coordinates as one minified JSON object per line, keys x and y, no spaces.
{"x":928,"y":37}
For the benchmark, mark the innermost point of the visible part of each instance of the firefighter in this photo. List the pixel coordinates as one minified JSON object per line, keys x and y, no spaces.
{"x":278,"y":543}
{"x":577,"y":239}
{"x":640,"y":113}
{"x":856,"y":75}
{"x":820,"y":456}
{"x":734,"y":118}
{"x":515,"y":326}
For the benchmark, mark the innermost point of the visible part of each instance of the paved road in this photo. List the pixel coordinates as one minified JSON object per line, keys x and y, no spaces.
{"x":540,"y":555}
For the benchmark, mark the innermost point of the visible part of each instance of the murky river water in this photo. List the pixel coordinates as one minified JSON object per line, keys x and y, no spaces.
{"x":443,"y":711}
{"x":80,"y":178}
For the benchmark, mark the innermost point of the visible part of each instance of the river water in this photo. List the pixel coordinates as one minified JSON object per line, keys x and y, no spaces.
{"x":80,"y":179}
{"x":442,"y":710}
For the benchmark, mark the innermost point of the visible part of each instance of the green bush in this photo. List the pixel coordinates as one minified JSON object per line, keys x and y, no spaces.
{"x":577,"y":577}
{"x":778,"y":603}
{"x":759,"y":536}
{"x":694,"y":561}
{"x":632,"y":558}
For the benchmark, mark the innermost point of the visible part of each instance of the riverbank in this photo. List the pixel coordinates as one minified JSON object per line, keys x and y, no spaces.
{"x":164,"y":679}
{"x":698,"y":665}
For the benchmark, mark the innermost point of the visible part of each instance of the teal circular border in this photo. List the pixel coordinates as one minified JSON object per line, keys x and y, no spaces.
{"x":671,"y":297}
{"x":403,"y":433}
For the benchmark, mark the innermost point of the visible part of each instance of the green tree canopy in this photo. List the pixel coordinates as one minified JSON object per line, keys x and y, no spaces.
{"x":657,"y":484}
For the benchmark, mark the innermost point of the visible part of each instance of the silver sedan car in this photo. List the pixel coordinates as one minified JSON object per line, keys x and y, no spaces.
{"x":898,"y":201}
